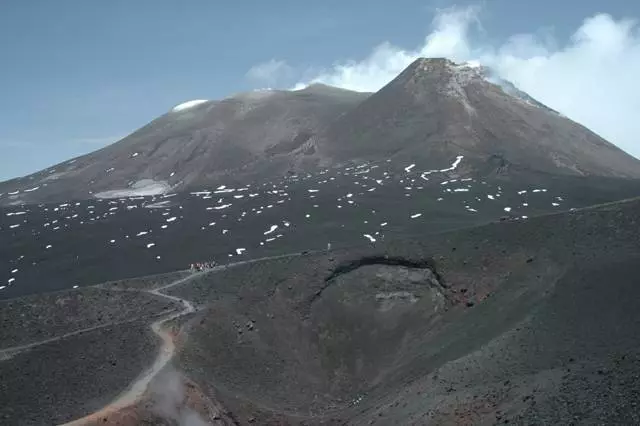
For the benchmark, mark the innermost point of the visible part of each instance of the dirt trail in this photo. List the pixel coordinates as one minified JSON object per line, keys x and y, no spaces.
{"x":138,"y":388}
{"x":9,"y":353}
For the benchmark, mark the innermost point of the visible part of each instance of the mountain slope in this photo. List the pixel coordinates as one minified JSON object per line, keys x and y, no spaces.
{"x":434,"y":113}
{"x":194,"y":144}
{"x":436,"y":109}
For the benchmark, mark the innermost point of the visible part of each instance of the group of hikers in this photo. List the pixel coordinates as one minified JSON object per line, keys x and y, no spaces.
{"x":202,"y":266}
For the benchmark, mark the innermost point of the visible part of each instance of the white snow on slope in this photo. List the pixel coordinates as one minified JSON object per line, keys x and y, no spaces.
{"x":224,"y":206}
{"x":454,"y":165}
{"x":188,"y":104}
{"x":158,"y":205}
{"x":144,"y":187}
{"x":273,"y":228}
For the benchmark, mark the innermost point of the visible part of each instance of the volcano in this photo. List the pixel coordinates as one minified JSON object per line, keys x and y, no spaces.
{"x":447,"y":250}
{"x":433,"y":112}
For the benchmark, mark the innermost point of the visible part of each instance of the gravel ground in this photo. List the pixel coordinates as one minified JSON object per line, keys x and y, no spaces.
{"x":524,"y":329}
{"x":146,"y":283}
{"x":57,"y":382}
{"x":34,"y":318}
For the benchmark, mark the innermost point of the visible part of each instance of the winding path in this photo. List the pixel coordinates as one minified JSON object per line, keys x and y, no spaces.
{"x":137,"y":389}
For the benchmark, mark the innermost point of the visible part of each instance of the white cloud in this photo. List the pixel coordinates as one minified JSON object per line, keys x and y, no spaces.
{"x":593,"y":78}
{"x":449,"y":38}
{"x":272,"y":72}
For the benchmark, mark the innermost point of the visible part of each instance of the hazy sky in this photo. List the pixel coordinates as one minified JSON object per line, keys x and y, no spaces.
{"x":78,"y":74}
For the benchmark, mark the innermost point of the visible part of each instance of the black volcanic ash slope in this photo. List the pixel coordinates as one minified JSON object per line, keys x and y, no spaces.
{"x":57,"y":246}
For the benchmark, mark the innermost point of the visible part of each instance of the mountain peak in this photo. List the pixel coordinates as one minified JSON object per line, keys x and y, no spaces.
{"x":431,"y":64}
{"x":437,"y":109}
{"x":438,"y":66}
{"x":452,"y":78}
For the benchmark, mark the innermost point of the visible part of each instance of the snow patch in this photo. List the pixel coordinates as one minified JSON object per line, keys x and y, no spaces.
{"x":157,"y":205}
{"x":224,"y":206}
{"x":454,"y":165}
{"x":370,"y":238}
{"x":189,"y":104}
{"x":142,"y":188}
{"x":271,"y":230}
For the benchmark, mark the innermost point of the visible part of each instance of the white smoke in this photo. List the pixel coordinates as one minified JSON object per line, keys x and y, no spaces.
{"x":168,"y":395}
{"x":591,"y":79}
{"x":272,"y":72}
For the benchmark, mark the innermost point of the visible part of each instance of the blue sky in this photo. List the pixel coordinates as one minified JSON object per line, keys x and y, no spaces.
{"x":78,"y":74}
